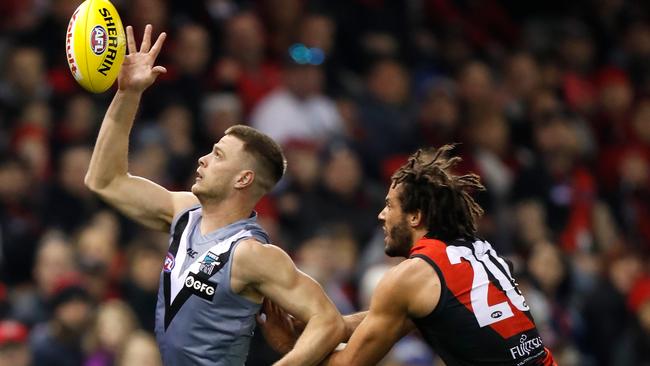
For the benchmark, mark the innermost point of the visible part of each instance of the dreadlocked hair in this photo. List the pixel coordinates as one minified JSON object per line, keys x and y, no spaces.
{"x":444,"y":200}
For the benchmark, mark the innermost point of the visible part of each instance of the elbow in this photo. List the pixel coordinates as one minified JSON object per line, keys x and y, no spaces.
{"x":91,"y":183}
{"x":94,"y":183}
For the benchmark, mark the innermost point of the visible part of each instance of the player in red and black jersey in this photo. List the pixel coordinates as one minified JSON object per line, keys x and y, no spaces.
{"x":453,"y":287}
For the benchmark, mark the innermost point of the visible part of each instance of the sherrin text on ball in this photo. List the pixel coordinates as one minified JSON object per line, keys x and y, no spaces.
{"x":95,"y":45}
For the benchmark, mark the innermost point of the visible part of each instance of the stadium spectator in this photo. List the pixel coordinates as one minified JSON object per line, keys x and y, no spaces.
{"x":114,"y":324}
{"x":632,"y":348}
{"x":605,"y":310}
{"x":386,"y":116}
{"x":14,"y":348}
{"x":298,"y":110}
{"x":53,"y":262}
{"x":140,"y":349}
{"x":140,"y":284}
{"x":59,"y":341}
{"x":244,"y":67}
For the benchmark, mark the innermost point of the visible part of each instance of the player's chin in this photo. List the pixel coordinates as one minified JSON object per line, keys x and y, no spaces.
{"x":196,"y":189}
{"x":388,"y":248}
{"x":391,"y":252}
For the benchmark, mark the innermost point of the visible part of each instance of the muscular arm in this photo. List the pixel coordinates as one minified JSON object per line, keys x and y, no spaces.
{"x":270,"y":271}
{"x":107,"y":176}
{"x":402,"y":293}
{"x":352,"y":321}
{"x":140,"y":199}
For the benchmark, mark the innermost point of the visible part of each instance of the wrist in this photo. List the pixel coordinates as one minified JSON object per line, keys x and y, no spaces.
{"x":127,"y":93}
{"x":287,"y":347}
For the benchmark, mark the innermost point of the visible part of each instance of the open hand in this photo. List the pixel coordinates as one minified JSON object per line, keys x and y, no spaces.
{"x":280,"y":329}
{"x":138,"y":71}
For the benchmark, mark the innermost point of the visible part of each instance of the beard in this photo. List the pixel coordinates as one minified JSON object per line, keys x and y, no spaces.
{"x":398,"y":240}
{"x":208,"y":193}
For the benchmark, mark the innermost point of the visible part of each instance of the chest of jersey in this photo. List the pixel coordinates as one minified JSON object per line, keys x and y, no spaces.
{"x":480,"y":302}
{"x":199,"y":319}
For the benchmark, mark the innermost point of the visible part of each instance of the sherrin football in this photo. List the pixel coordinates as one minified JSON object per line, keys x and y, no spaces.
{"x":95,"y":45}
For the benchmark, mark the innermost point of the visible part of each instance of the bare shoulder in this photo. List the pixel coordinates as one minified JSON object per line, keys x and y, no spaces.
{"x":413,"y":266}
{"x":409,"y":272}
{"x":181,"y":201}
{"x":415,"y":269}
{"x":253,"y":250}
{"x":256,"y":261}
{"x":413,"y":283}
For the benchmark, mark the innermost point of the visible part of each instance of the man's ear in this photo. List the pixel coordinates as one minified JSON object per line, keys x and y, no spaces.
{"x":245,"y":179}
{"x":414,"y":219}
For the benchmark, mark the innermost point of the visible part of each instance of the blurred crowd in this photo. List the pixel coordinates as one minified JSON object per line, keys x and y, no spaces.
{"x":548,"y":100}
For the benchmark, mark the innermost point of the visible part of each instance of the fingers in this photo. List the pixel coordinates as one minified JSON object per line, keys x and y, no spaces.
{"x":269,"y":307}
{"x":159,"y":70}
{"x":271,"y":312}
{"x":273,"y":309}
{"x":155,"y":50}
{"x":261,"y":318}
{"x":130,"y":40}
{"x":262,"y":314}
{"x":146,"y":39}
{"x":145,"y":47}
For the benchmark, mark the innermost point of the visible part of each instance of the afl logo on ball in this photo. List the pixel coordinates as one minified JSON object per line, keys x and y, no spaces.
{"x":98,"y":40}
{"x":169,"y":263}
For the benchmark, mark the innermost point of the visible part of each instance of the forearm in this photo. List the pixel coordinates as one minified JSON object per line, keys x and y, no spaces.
{"x":110,"y":155}
{"x":370,"y":345}
{"x":333,"y":359}
{"x":352,"y":321}
{"x":319,"y":338}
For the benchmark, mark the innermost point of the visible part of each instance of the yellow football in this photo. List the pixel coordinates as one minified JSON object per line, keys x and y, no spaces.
{"x":95,"y":45}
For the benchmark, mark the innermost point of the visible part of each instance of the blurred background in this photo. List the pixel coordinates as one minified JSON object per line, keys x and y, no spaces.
{"x":550,"y":101}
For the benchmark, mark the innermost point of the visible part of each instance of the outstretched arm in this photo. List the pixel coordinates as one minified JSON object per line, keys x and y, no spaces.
{"x":383,"y":325}
{"x":270,"y":271}
{"x":138,"y":198}
{"x":411,"y":289}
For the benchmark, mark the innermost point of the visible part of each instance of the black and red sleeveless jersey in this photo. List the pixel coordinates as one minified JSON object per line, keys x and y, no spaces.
{"x":481,"y":317}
